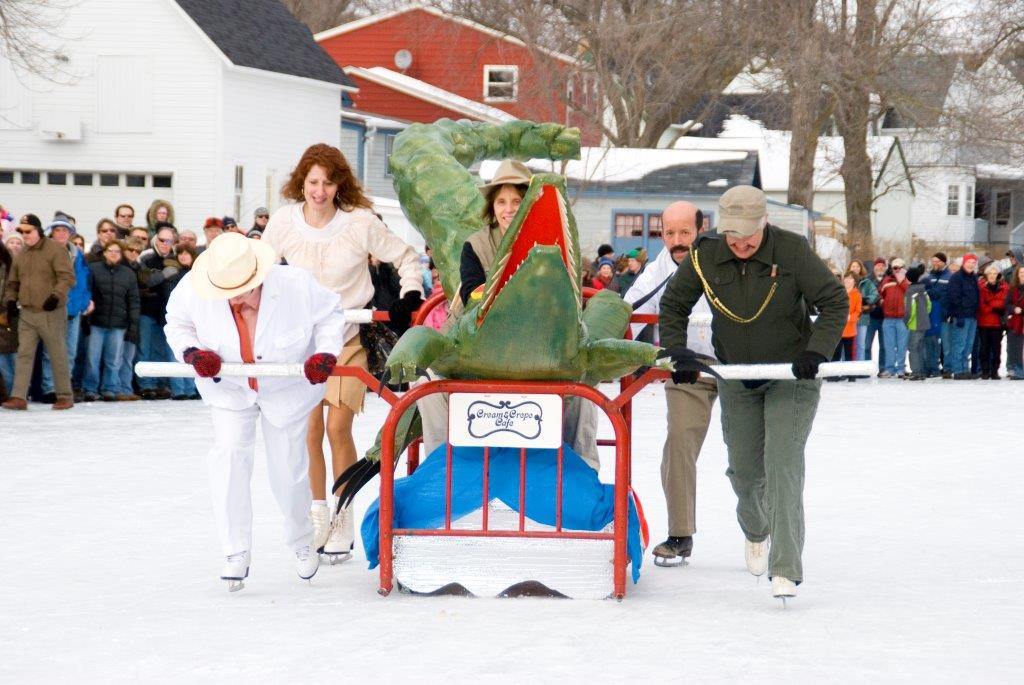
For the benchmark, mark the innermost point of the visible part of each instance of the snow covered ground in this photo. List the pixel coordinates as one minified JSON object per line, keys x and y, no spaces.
{"x":108,"y":568}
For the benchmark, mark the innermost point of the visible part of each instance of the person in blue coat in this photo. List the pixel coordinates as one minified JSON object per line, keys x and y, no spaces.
{"x":962,"y":298}
{"x":79,"y":300}
{"x":937,"y":339}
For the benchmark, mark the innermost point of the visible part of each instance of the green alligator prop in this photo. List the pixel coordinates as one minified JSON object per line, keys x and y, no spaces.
{"x":530,"y":322}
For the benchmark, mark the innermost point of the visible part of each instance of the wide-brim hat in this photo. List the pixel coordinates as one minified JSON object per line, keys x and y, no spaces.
{"x":509,"y":172}
{"x":231,"y":265}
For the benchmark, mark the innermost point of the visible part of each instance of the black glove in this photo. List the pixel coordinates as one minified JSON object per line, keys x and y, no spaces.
{"x":12,"y":311}
{"x":688,"y":364}
{"x":401,"y":311}
{"x":805,"y":367}
{"x":50,"y":303}
{"x":132,"y":334}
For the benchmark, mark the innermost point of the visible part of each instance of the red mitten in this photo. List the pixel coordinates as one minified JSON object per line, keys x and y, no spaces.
{"x":205,"y":362}
{"x":318,"y":367}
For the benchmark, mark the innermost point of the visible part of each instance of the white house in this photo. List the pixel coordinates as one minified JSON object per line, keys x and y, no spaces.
{"x":205,"y":103}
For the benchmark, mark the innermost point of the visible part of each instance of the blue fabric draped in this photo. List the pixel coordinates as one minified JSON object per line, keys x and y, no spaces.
{"x":587,"y":503}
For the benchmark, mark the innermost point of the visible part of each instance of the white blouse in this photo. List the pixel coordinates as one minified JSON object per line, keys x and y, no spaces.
{"x":337,"y":254}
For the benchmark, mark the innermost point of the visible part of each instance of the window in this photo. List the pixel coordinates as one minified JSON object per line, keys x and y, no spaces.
{"x":239,"y":184}
{"x":969,"y":202}
{"x":110,"y":180}
{"x":135,"y":180}
{"x":501,"y":83}
{"x":389,"y":145}
{"x":1004,"y":205}
{"x":953,"y":201}
{"x":56,"y":178}
{"x":6,"y":177}
{"x":654,"y":225}
{"x":30,"y":178}
{"x":81,"y":179}
{"x":629,"y":225}
{"x":161,"y":180}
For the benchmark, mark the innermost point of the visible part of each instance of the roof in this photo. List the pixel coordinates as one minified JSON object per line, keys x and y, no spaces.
{"x":651,"y":171}
{"x":375,"y":120}
{"x":264,"y":35}
{"x":384,"y":16}
{"x":919,"y":84}
{"x":770,"y":108}
{"x":432,"y":94}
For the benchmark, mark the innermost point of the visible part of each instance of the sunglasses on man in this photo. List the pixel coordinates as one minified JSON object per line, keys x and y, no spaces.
{"x":25,"y":232}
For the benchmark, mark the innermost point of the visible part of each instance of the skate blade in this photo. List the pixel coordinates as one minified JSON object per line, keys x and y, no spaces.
{"x":235,"y":585}
{"x":669,"y":562}
{"x":337,"y":558}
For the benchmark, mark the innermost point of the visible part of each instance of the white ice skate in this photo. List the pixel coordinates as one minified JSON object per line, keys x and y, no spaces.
{"x":235,"y":570}
{"x":783,"y":588}
{"x":756,"y":554}
{"x":342,"y":538}
{"x":320,"y":515}
{"x":307,"y":562}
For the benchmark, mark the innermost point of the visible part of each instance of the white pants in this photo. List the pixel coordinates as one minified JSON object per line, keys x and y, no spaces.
{"x":231,"y":462}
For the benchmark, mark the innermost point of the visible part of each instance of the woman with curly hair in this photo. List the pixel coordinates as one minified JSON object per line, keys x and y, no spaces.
{"x":330,"y":230}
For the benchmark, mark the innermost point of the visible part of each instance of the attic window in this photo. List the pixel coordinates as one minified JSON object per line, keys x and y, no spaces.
{"x":501,"y":82}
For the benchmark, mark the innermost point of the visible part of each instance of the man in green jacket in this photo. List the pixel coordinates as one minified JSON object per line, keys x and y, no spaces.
{"x":40,"y":279}
{"x":761,"y":282}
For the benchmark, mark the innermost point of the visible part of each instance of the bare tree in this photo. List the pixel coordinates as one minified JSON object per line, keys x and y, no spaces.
{"x":29,"y":37}
{"x":320,"y":15}
{"x":649,"y":62}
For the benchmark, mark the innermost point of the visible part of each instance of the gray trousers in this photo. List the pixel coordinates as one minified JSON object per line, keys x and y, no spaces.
{"x":579,"y":426}
{"x":689,"y":414}
{"x":765,"y":431}
{"x":33,"y":326}
{"x":916,"y":346}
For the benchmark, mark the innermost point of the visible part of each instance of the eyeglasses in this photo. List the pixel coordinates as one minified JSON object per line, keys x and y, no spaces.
{"x":131,"y":249}
{"x":165,"y":242}
{"x":125,"y":216}
{"x":113,"y":251}
{"x":108,"y":230}
{"x":899,"y":268}
{"x":262,"y":216}
{"x":31,"y":230}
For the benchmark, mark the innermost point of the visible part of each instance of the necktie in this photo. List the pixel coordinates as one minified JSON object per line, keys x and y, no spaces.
{"x":244,"y":340}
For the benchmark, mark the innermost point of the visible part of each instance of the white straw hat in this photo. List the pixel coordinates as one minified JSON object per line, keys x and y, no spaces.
{"x":231,"y":265}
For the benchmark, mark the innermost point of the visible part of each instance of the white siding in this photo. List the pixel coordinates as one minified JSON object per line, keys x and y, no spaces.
{"x":15,"y":100}
{"x":115,"y":76}
{"x":378,"y":183}
{"x":349,"y":146}
{"x":185,"y":114}
{"x":929,"y":220}
{"x":269,"y":121}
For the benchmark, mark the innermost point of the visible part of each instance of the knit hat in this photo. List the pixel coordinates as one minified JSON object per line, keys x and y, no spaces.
{"x":261,"y":211}
{"x":879,"y":260}
{"x":969,"y":255}
{"x":255,"y":233}
{"x":60,"y":223}
{"x":604,"y":260}
{"x":229,"y":221}
{"x":915,"y":272}
{"x":604,"y":249}
{"x":941,"y":256}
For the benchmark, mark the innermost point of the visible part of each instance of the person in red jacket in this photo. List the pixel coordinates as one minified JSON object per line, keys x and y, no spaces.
{"x":991,"y":307}
{"x":894,"y":329}
{"x":1015,"y":325}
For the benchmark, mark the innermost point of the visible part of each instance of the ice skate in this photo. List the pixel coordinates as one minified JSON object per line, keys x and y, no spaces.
{"x":756,"y":554}
{"x":674,"y":551}
{"x":307,"y":562}
{"x":235,"y":570}
{"x":783,"y":588}
{"x":320,"y":515}
{"x":342,"y":538}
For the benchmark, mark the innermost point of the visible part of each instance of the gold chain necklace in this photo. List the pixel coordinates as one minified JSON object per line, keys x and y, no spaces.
{"x":720,"y":306}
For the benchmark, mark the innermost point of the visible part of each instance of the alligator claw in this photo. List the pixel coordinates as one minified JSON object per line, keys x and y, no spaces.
{"x":353,"y":479}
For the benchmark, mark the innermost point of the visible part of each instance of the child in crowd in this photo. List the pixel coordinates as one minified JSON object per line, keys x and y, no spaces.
{"x":917,"y":306}
{"x":845,"y":351}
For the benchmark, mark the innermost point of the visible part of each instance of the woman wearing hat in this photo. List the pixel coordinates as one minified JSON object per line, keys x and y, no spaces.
{"x":330,"y":230}
{"x":273,"y":314}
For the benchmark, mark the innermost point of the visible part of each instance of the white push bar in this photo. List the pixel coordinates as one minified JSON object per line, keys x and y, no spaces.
{"x":748,"y":372}
{"x":358,"y":315}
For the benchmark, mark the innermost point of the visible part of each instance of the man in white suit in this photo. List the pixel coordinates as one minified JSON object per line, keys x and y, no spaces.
{"x":238,"y":305}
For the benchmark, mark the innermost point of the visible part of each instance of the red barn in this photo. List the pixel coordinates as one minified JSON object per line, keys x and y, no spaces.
{"x":409,"y":62}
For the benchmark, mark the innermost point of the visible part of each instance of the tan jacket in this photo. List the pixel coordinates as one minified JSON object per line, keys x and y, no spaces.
{"x":38,"y":272}
{"x":485,"y":244}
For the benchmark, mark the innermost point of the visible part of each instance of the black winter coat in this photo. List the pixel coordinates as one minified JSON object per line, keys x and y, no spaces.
{"x":115,"y":293}
{"x":962,"y":296}
{"x":154,"y":288}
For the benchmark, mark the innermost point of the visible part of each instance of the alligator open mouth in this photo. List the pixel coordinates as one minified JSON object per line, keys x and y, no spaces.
{"x":542,"y":220}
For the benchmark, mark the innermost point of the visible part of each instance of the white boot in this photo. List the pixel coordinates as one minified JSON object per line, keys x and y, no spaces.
{"x":308,"y":561}
{"x":756,"y":554}
{"x":320,"y":515}
{"x":341,"y":541}
{"x":783,"y":587}
{"x":235,"y":570}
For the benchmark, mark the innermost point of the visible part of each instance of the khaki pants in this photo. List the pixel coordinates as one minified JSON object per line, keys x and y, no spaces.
{"x":689,"y":414}
{"x":49,"y":327}
{"x":765,"y":431}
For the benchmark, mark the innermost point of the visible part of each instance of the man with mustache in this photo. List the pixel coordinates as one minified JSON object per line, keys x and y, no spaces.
{"x":689,"y":406}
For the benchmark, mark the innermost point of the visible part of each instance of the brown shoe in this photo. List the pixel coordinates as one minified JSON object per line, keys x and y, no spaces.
{"x":15,"y":403}
{"x":127,"y":398}
{"x":63,"y":403}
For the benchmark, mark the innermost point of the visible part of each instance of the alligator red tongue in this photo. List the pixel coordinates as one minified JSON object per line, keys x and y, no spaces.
{"x":542,"y":226}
